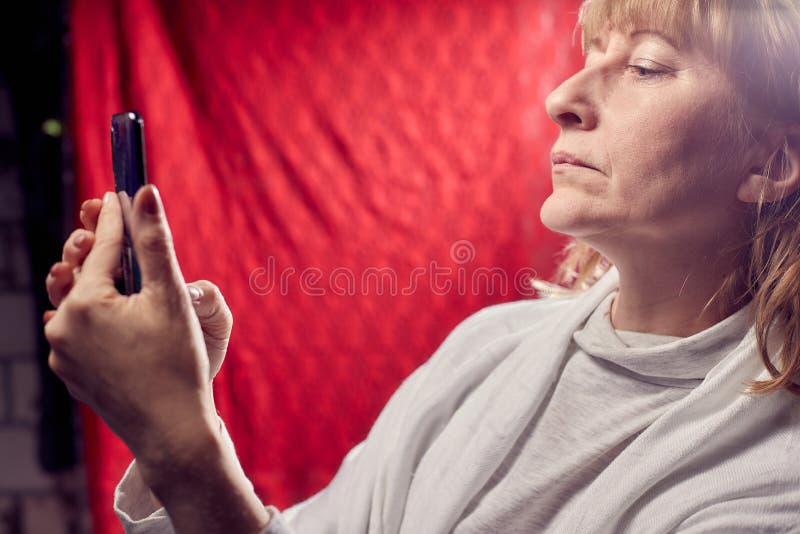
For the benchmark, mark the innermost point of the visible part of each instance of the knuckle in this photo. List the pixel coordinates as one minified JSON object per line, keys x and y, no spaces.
{"x":155,"y":241}
{"x":75,"y":312}
{"x":72,"y":242}
{"x":56,"y":286}
{"x":227,"y":317}
{"x":218,"y":300}
{"x":207,"y":286}
{"x":50,"y":285}
{"x":54,"y":363}
{"x":55,"y":333}
{"x":53,"y":295}
{"x":66,"y":250}
{"x":216,"y":294}
{"x":78,"y":308}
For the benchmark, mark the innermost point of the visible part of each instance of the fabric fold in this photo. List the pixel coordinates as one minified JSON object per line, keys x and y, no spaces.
{"x":687,"y":358}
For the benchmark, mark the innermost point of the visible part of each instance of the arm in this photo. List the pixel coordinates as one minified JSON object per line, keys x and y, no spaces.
{"x":150,"y":346}
{"x":175,"y":480}
{"x":137,"y":507}
{"x":201,"y":485}
{"x":140,"y":512}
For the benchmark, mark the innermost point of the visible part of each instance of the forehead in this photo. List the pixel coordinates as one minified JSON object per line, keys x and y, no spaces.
{"x":680,"y":25}
{"x":600,"y":42}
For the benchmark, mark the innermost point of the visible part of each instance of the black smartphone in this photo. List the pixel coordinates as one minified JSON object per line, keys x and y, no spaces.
{"x":130,"y":173}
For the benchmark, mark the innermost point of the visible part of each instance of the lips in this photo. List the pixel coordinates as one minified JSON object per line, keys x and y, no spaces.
{"x":570,"y":159}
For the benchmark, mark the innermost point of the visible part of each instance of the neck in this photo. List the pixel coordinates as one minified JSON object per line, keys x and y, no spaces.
{"x":668,"y":298}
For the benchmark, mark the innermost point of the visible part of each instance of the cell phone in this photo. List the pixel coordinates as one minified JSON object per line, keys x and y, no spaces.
{"x":130,"y":173}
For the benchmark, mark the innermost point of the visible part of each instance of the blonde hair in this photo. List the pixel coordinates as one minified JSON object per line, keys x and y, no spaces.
{"x":757,"y":45}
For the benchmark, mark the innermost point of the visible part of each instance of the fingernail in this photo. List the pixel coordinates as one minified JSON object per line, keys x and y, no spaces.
{"x":152,"y":201}
{"x":107,"y":197}
{"x":79,"y":240}
{"x":195,"y":293}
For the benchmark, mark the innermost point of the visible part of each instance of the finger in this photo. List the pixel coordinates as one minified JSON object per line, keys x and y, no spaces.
{"x":58,"y":282}
{"x":90,"y":211}
{"x":48,"y":315}
{"x":216,"y":320}
{"x":207,"y":298}
{"x":103,"y":260}
{"x":210,"y":307}
{"x":77,"y":247}
{"x":152,"y":242}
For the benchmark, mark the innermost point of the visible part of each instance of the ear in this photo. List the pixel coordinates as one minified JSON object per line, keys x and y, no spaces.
{"x":784,"y":176}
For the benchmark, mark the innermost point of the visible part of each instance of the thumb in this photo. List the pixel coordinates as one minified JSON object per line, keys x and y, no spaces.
{"x":152,"y":243}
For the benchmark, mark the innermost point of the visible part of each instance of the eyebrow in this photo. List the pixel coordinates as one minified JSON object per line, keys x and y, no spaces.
{"x":656,"y":34}
{"x":597,"y":42}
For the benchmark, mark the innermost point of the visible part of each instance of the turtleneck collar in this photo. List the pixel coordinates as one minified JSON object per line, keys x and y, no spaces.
{"x":661,"y":359}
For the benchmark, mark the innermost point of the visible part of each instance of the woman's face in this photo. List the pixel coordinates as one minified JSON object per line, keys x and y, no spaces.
{"x":653,"y":123}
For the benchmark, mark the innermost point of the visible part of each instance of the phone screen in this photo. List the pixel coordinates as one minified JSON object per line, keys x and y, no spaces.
{"x":130,"y":173}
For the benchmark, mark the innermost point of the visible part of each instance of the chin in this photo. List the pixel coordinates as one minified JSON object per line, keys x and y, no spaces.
{"x":571,"y":221}
{"x":562,"y":219}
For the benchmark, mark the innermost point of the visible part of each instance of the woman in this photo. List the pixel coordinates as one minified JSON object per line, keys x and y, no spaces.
{"x":617,"y":409}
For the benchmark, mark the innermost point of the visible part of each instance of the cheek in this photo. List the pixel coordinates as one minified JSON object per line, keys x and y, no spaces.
{"x":646,"y":172}
{"x":670,"y":159}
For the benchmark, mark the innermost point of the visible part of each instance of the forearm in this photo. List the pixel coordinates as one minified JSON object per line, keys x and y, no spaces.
{"x":202,"y":486}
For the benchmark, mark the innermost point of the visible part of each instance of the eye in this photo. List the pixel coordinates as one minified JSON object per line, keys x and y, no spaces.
{"x":644,"y":72}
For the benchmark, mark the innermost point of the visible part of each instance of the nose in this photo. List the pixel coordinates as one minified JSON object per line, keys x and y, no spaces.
{"x":571,"y":105}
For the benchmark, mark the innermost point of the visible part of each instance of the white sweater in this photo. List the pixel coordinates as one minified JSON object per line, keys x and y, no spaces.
{"x":537,"y":416}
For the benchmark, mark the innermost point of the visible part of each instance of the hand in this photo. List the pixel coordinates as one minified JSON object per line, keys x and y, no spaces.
{"x":140,"y":362}
{"x":216,"y":319}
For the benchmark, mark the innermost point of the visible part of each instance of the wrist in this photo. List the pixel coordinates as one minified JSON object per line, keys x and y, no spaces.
{"x":180,"y":429}
{"x":177,"y":451}
{"x":200,"y":483}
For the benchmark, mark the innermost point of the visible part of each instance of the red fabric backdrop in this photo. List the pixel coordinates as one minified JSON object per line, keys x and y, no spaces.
{"x":341,"y":137}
